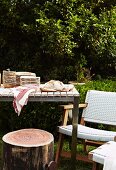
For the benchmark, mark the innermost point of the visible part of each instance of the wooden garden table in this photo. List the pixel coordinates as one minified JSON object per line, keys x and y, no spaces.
{"x":71,"y":96}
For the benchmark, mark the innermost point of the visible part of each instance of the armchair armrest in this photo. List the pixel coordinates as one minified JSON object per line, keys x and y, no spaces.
{"x":83,"y":105}
{"x":66,"y":109}
{"x":70,"y":106}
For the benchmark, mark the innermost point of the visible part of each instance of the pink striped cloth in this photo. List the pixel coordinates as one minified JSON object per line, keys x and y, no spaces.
{"x":21,"y":95}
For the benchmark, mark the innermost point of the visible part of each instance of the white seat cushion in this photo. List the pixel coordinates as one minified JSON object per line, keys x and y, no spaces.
{"x":106,"y":150}
{"x":89,"y":133}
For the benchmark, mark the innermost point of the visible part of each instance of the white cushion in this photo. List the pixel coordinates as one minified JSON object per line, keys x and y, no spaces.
{"x":89,"y":133}
{"x":106,"y":150}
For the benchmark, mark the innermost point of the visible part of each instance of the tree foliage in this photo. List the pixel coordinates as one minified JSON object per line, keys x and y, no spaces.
{"x":56,"y":38}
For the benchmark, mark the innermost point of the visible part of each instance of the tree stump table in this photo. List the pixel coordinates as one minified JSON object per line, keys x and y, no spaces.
{"x":27,"y":149}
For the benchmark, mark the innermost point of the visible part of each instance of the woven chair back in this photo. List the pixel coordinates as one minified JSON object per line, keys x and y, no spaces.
{"x":101,"y":107}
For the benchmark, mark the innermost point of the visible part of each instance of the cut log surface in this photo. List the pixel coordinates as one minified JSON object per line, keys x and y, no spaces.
{"x":28,"y":138}
{"x":27,"y":149}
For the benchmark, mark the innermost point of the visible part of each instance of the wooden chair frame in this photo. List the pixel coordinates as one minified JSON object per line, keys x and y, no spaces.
{"x":60,"y":152}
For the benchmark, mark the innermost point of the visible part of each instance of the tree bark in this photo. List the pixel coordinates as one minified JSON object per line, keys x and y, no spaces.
{"x":27,"y":149}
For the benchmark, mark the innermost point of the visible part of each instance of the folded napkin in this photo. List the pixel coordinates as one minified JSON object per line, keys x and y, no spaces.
{"x":21,"y":95}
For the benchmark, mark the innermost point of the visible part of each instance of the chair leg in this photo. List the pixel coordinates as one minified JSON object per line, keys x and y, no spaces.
{"x":96,"y":166}
{"x":59,"y":147}
{"x":84,"y":146}
{"x":61,"y":136}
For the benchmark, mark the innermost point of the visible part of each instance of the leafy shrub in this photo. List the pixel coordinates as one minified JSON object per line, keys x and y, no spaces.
{"x":103,"y":85}
{"x":35,"y":115}
{"x":56,"y":39}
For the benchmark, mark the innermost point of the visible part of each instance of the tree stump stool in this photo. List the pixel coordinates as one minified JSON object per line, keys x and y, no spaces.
{"x":27,"y":149}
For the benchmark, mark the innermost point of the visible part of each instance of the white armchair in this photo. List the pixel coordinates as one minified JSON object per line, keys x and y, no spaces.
{"x":100,"y":108}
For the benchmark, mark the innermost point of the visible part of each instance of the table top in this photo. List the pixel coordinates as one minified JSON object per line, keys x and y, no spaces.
{"x":6,"y":94}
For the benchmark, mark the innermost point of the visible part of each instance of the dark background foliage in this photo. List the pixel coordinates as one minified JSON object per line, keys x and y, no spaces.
{"x":57,"y":38}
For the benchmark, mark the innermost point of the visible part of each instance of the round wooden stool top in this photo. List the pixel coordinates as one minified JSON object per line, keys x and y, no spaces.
{"x":28,"y":138}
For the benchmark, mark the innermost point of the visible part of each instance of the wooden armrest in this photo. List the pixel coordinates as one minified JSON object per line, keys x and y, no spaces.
{"x":67,"y":108}
{"x":70,"y":106}
{"x":83,"y":105}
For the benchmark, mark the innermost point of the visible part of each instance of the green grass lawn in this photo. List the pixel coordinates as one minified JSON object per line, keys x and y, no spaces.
{"x":64,"y":163}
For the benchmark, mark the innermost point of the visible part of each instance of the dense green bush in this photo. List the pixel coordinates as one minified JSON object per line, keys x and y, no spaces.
{"x":103,"y":85}
{"x":35,"y":115}
{"x":57,"y":38}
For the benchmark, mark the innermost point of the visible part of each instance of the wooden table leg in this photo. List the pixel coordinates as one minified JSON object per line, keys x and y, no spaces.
{"x":74,"y":133}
